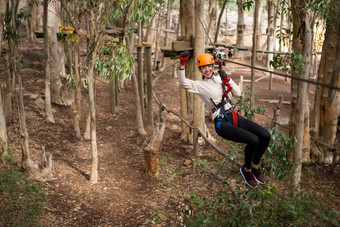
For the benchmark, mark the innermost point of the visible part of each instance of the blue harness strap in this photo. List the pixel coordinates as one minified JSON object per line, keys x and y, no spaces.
{"x":219,"y":121}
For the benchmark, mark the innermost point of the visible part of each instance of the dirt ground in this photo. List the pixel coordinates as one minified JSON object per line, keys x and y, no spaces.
{"x":125,"y":195}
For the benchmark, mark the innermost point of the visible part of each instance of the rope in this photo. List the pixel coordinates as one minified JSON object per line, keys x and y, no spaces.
{"x":264,"y":70}
{"x":289,"y":76}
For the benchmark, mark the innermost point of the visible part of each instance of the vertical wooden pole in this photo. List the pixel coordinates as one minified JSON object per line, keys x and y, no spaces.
{"x":148,"y":61}
{"x":140,"y":75}
{"x":270,"y":80}
{"x":195,"y":142}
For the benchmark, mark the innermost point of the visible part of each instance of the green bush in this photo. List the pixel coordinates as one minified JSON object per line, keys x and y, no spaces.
{"x":21,"y":199}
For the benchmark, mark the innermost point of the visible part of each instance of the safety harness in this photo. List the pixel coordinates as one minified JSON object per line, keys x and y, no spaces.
{"x":226,"y":88}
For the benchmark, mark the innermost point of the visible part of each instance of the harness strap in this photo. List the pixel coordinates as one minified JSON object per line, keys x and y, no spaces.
{"x":235,"y":118}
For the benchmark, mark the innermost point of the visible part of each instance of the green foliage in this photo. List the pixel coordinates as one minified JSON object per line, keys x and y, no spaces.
{"x":302,"y":209}
{"x":265,"y":205}
{"x":275,"y":160}
{"x":295,"y":62}
{"x":243,"y":104}
{"x":21,"y":199}
{"x":11,"y":32}
{"x":114,"y":60}
{"x":145,"y":10}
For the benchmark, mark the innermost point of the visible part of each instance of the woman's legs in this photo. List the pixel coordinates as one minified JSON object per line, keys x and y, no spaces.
{"x":255,"y":136}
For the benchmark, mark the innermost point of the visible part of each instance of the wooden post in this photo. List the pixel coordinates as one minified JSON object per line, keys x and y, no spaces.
{"x":140,"y":75}
{"x":151,"y":151}
{"x":195,"y":142}
{"x":148,"y":62}
{"x":241,"y":83}
{"x":270,"y":80}
{"x":277,"y":111}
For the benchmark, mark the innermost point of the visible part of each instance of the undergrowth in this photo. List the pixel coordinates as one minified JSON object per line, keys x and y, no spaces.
{"x":22,"y":200}
{"x":266,"y":205}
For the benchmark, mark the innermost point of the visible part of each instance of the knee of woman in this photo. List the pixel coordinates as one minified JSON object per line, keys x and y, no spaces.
{"x":266,"y":136}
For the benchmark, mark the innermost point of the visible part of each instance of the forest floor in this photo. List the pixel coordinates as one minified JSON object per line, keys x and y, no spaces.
{"x":125,"y":195}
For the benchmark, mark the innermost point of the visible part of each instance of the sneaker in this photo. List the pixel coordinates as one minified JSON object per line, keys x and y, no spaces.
{"x":258,"y":175}
{"x":248,"y":178}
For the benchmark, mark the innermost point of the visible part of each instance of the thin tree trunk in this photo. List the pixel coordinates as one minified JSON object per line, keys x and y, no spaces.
{"x":167,"y":27}
{"x":139,"y":116}
{"x":300,"y":17}
{"x":77,"y":115}
{"x":48,"y":107}
{"x":92,"y":104}
{"x":219,"y":21}
{"x":253,"y":54}
{"x":3,"y":7}
{"x":199,"y":47}
{"x":149,"y":83}
{"x":240,"y":27}
{"x":271,"y":28}
{"x":3,"y":128}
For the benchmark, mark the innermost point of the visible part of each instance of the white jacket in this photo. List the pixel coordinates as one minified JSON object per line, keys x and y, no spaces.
{"x":208,"y":89}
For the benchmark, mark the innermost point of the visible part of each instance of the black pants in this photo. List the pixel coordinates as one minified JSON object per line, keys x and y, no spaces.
{"x":255,"y":136}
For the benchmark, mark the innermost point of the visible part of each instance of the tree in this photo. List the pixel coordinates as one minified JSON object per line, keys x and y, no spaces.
{"x":271,"y":29}
{"x":219,"y":20}
{"x":327,"y":101}
{"x":240,"y":26}
{"x":302,"y":46}
{"x":48,"y":107}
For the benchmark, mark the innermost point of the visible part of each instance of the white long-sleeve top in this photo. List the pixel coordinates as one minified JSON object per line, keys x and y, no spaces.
{"x":208,"y":89}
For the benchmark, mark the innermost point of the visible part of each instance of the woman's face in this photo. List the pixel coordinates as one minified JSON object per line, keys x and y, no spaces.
{"x":207,"y":71}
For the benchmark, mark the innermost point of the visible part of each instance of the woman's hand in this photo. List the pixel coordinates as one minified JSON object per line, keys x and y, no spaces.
{"x":183,"y":56}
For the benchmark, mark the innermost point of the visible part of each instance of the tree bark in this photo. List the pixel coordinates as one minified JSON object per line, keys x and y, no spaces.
{"x":240,"y":27}
{"x":327,"y":101}
{"x":139,"y":115}
{"x":91,"y":90}
{"x":199,"y":47}
{"x":149,"y":83}
{"x":48,"y":106}
{"x":3,"y":7}
{"x":253,"y":54}
{"x":271,"y":30}
{"x":187,"y":16}
{"x":151,"y":151}
{"x":302,"y":44}
{"x":219,"y":21}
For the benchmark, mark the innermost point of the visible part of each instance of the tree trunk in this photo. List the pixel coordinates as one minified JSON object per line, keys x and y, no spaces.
{"x":187,"y":16}
{"x":148,"y":60}
{"x":78,"y":110}
{"x":199,"y":47}
{"x":302,"y":44}
{"x":3,"y":129}
{"x":29,"y":21}
{"x":152,"y":149}
{"x":167,"y":27}
{"x":48,"y":107}
{"x":91,"y":90}
{"x":56,"y":68}
{"x":139,"y":115}
{"x":253,"y":54}
{"x":327,"y":101}
{"x":271,"y":30}
{"x":219,"y":21}
{"x":211,"y":20}
{"x":259,"y":25}
{"x":3,"y":7}
{"x":240,"y":27}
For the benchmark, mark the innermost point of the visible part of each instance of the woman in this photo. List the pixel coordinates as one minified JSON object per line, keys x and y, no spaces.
{"x":228,"y":123}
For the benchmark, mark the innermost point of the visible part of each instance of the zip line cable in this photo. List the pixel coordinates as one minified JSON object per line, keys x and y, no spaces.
{"x":261,"y":69}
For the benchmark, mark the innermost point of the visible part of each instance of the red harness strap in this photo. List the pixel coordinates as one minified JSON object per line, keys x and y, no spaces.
{"x":235,"y":118}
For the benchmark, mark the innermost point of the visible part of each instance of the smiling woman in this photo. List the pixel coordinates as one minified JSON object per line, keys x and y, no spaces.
{"x":215,"y":92}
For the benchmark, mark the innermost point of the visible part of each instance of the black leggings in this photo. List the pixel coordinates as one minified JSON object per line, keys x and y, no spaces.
{"x":255,"y":136}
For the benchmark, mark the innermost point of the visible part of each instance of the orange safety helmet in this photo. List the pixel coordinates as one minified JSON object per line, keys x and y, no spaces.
{"x":205,"y":59}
